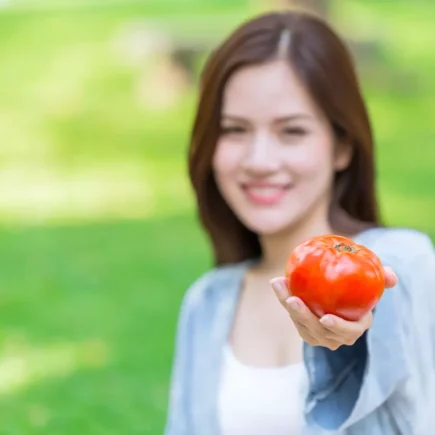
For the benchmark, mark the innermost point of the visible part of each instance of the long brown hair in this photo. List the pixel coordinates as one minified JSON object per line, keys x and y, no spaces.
{"x":325,"y":66}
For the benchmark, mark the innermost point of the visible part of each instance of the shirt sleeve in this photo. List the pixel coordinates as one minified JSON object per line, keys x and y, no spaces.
{"x":348,"y":384}
{"x":178,"y":420}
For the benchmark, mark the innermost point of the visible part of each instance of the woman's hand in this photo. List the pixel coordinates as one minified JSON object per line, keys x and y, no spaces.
{"x":330,"y":331}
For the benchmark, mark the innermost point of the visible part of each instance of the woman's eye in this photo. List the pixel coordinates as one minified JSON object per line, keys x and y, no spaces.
{"x":232,"y":130}
{"x":295,"y":131}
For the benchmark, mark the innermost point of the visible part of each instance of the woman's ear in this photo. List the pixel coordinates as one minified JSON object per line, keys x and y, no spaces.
{"x":343,"y":155}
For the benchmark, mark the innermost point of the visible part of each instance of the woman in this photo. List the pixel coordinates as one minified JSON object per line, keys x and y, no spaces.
{"x":282,"y":150}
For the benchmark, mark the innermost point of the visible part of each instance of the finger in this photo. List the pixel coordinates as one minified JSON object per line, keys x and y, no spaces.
{"x":347,"y":329}
{"x":309,"y":327}
{"x":301,"y":314}
{"x":312,"y":340}
{"x":390,"y":277}
{"x":332,"y":344}
{"x":280,"y":287}
{"x":306,"y":323}
{"x":305,"y":333}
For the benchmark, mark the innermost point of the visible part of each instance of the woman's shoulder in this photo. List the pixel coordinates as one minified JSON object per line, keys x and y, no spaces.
{"x":219,"y":279}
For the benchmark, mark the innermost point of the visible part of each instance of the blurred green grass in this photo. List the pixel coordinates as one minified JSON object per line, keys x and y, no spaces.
{"x":98,"y":235}
{"x":96,"y":291}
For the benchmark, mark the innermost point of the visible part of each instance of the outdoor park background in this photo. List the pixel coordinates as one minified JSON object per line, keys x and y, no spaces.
{"x":98,"y":235}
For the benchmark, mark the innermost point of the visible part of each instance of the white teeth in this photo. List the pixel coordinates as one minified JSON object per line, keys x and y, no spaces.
{"x":266,"y":191}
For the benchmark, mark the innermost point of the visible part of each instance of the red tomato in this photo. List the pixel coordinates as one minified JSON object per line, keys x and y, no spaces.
{"x":333,"y":275}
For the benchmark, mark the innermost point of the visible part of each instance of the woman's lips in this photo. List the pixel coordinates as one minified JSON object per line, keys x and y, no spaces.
{"x":265,"y":194}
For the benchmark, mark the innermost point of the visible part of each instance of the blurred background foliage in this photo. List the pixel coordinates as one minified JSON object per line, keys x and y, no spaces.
{"x":98,"y":234}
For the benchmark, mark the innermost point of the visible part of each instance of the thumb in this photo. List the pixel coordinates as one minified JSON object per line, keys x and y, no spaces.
{"x":390,"y":277}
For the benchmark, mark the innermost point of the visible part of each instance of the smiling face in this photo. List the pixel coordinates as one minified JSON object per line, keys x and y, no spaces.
{"x":276,"y":156}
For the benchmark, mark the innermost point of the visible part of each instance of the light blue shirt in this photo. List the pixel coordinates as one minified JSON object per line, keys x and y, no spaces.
{"x":382,"y":385}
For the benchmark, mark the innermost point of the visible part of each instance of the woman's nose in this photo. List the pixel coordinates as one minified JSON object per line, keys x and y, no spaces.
{"x":261,"y":156}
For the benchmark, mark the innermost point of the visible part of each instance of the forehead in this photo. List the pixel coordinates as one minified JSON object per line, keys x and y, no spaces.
{"x":267,"y":90}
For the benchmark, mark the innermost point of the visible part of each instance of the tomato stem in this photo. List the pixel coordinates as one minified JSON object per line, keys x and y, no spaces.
{"x":343,"y":247}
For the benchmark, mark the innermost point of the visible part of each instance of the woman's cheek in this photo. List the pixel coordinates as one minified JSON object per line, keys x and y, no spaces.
{"x":227,"y":157}
{"x":312,"y":159}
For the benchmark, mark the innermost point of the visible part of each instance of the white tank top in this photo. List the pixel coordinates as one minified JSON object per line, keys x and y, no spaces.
{"x":260,"y":400}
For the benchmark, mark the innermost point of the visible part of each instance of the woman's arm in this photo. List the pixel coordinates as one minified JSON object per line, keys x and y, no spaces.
{"x":394,"y":360}
{"x":349,"y":383}
{"x":178,"y":419}
{"x":177,"y":416}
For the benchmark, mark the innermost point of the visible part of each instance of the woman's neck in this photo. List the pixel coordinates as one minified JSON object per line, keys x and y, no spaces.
{"x":277,"y":247}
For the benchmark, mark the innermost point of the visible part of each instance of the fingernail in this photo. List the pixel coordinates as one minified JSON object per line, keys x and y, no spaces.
{"x":327,"y":321}
{"x":390,"y":270}
{"x":294,"y":304}
{"x":278,"y":286}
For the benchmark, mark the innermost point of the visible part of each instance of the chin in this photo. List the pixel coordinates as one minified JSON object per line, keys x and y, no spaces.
{"x":267,"y":227}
